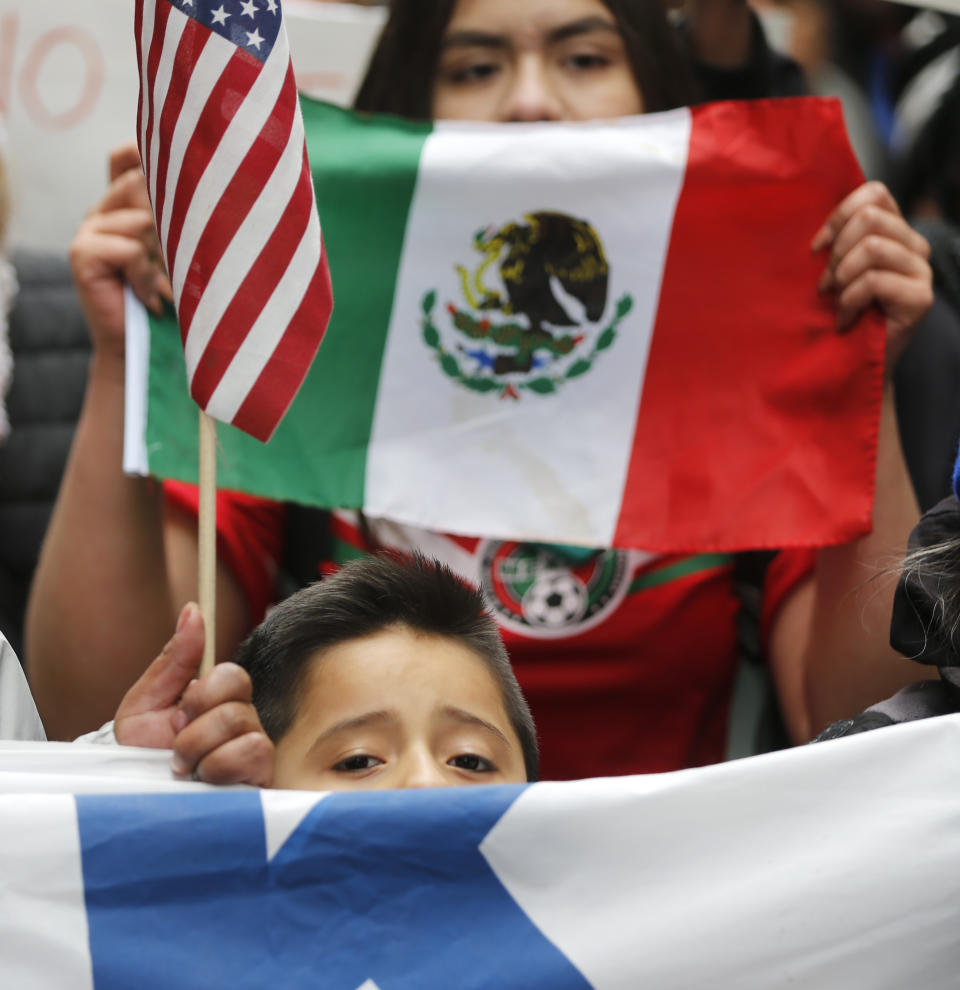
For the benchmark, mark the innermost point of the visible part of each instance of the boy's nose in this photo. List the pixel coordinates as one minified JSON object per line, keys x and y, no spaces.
{"x":420,"y":769}
{"x":531,"y":96}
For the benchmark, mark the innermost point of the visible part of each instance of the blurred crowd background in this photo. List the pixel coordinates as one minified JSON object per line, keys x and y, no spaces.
{"x":68,"y":91}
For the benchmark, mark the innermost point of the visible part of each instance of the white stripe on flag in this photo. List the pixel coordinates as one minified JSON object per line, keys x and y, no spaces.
{"x":176,"y":23}
{"x":137,"y":382}
{"x":533,"y":446}
{"x":244,"y":249}
{"x":146,"y":35}
{"x":247,"y":123}
{"x":410,"y":539}
{"x":254,"y":353}
{"x":44,"y":939}
{"x":206,"y":71}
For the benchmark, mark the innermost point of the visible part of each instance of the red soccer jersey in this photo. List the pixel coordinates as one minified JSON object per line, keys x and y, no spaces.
{"x":628,"y":661}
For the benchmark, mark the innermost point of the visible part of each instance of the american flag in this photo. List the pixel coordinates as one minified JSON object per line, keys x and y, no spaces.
{"x":222,"y":145}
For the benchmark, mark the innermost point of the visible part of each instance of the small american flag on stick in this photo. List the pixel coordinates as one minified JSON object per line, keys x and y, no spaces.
{"x":222,"y":145}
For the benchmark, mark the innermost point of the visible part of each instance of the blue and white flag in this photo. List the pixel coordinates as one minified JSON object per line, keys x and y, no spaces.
{"x":832,"y":865}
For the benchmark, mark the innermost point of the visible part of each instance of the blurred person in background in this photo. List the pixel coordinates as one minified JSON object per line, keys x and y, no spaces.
{"x":647,"y":681}
{"x":805,"y":29}
{"x":925,"y":177}
{"x":18,"y":714}
{"x":731,"y":53}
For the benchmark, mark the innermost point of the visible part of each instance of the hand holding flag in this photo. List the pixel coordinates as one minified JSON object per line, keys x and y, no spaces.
{"x":876,"y":258}
{"x":210,"y":723}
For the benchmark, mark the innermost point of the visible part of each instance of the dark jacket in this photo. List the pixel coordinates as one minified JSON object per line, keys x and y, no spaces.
{"x":919,"y":632}
{"x":51,"y":354}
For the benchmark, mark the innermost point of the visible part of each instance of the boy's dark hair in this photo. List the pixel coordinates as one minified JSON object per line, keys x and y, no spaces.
{"x":365,"y":597}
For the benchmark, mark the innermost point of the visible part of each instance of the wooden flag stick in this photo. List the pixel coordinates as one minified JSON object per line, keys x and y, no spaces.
{"x":207,"y":535}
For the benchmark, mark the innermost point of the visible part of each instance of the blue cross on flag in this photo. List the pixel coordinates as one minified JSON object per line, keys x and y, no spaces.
{"x":361,"y":894}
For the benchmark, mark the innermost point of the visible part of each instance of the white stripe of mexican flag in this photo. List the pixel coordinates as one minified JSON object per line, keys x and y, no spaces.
{"x":600,"y":333}
{"x":433,"y":435}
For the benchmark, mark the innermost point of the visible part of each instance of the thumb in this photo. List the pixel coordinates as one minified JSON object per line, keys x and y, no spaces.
{"x":124,"y":158}
{"x":167,"y":677}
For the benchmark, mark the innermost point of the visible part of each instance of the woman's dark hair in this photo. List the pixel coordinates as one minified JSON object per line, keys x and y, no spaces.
{"x":401,"y":73}
{"x":363,"y":598}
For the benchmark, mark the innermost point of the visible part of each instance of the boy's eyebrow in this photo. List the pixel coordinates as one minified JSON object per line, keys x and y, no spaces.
{"x":484,"y":39}
{"x":357,"y":722}
{"x":468,"y":718}
{"x":451,"y":712}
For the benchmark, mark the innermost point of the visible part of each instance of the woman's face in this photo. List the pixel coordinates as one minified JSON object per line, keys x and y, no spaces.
{"x":526,"y":60}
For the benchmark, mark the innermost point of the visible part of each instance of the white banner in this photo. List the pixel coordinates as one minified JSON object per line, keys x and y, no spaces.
{"x":826,"y":866}
{"x":947,"y":6}
{"x":68,"y":92}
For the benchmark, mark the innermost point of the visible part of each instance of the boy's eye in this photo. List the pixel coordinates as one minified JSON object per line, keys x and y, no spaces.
{"x":473,"y":763}
{"x":357,"y":763}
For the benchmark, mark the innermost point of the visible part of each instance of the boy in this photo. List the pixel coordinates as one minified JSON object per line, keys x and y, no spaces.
{"x":388,"y":674}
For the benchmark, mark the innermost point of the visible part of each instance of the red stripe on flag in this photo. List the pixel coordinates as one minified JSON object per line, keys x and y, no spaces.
{"x":137,"y":32}
{"x":255,"y":290}
{"x":468,"y":543}
{"x":243,"y":190}
{"x":221,"y":106}
{"x":739,"y":414}
{"x":284,"y":373}
{"x":153,"y":61}
{"x":192,"y":42}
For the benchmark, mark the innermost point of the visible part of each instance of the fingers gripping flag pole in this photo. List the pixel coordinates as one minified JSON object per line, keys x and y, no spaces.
{"x":222,"y":145}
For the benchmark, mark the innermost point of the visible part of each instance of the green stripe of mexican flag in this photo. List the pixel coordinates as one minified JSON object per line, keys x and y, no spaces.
{"x":600,"y":334}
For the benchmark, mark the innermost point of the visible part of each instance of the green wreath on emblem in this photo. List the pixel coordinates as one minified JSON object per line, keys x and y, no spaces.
{"x":505,"y":333}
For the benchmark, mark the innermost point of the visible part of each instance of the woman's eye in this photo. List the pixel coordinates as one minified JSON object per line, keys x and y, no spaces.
{"x":587,"y":60}
{"x":476,"y":72}
{"x":473,"y":763}
{"x":357,"y":763}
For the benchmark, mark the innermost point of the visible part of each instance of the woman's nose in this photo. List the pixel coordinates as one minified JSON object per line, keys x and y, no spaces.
{"x":531,"y":96}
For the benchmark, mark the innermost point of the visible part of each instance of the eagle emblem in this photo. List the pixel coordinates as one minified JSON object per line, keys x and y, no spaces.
{"x":534,"y":308}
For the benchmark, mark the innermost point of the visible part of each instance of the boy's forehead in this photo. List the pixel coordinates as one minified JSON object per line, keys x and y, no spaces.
{"x":402,"y":663}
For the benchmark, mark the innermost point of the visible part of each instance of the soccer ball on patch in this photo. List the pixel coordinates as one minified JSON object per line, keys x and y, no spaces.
{"x":555,"y":599}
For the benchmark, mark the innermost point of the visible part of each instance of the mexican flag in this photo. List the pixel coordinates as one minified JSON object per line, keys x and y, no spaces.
{"x":599,"y":334}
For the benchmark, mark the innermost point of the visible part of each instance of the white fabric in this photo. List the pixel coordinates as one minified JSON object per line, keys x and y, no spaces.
{"x":87,"y":768}
{"x":104,"y":736}
{"x":137,"y":375}
{"x":826,"y":866}
{"x":18,"y":714}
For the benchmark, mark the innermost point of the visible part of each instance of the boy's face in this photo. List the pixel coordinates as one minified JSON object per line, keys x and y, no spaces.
{"x":398,"y":709}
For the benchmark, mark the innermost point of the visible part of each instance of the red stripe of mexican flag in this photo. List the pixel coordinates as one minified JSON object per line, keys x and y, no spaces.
{"x":602,"y":333}
{"x":758,"y":421}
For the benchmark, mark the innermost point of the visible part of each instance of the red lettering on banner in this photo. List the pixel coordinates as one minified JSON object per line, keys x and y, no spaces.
{"x":89,"y":92}
{"x":9,"y":29}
